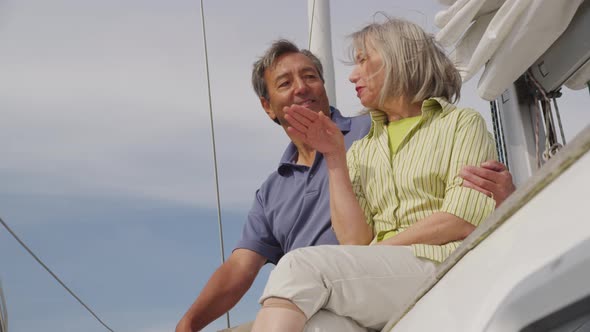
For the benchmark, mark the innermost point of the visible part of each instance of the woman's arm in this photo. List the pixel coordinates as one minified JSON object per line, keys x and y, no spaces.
{"x":438,"y":228}
{"x":348,"y":219}
{"x":463,"y":208}
{"x":319,"y":132}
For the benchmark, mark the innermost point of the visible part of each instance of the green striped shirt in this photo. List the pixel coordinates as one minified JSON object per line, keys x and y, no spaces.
{"x":422,"y":177}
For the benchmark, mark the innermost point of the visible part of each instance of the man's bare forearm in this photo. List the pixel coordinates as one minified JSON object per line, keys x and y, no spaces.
{"x":224,"y":289}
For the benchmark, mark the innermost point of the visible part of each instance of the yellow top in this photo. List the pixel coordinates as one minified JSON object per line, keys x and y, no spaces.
{"x":397,"y":190}
{"x":397,"y":130}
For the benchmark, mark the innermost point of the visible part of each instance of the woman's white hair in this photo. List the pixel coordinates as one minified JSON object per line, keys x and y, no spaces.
{"x":415,"y":66}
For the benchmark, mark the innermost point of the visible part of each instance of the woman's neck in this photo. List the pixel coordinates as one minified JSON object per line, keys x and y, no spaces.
{"x":400,"y":108}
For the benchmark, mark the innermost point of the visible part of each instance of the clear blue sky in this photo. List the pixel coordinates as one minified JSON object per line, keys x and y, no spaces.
{"x":107,"y":167}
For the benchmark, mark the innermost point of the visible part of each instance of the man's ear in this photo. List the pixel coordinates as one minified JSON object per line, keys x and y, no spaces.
{"x":266,"y":105}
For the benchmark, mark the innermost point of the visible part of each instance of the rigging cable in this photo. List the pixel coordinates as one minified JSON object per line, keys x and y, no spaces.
{"x":3,"y":311}
{"x":214,"y":146}
{"x":554,"y":97}
{"x":53,"y":275}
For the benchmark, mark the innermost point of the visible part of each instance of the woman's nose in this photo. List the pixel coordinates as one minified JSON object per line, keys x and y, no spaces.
{"x":354,"y":75}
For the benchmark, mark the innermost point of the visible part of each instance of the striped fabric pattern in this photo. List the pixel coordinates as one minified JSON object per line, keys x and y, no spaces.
{"x":397,"y":190}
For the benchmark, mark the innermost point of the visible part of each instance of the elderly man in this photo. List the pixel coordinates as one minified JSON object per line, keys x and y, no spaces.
{"x":291,"y":208}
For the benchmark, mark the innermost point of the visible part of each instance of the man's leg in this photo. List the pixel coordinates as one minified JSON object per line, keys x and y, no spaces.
{"x":367,"y":283}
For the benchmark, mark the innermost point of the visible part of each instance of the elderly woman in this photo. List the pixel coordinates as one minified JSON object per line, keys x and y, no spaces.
{"x":397,"y":189}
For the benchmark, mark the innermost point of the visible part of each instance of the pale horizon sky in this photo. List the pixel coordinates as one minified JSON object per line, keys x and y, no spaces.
{"x":107,"y":171}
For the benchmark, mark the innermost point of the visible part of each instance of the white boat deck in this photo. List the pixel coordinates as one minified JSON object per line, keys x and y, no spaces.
{"x":539,"y":237}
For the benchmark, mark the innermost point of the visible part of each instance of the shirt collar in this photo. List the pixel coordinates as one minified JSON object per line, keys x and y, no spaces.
{"x":288,"y":158}
{"x":429,"y":106}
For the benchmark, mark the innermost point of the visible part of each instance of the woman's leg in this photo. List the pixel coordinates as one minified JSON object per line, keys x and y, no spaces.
{"x":279,"y":315}
{"x":327,"y":321}
{"x":322,"y":321}
{"x":366,"y":283}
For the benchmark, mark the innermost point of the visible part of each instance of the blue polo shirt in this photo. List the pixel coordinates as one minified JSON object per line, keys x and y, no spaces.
{"x":292,"y":207}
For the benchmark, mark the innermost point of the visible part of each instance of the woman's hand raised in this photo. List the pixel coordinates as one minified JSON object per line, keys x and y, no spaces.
{"x":314,"y":129}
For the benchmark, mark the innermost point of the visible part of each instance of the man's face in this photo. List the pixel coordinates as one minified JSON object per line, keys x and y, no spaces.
{"x":293,"y":80}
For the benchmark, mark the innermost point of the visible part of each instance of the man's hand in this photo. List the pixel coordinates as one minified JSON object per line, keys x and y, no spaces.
{"x":491,"y":178}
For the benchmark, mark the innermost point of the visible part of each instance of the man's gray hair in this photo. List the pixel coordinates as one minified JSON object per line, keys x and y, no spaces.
{"x":267,"y":61}
{"x":415,"y":66}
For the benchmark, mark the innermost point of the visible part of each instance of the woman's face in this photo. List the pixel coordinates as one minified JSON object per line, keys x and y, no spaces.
{"x":368,"y":76}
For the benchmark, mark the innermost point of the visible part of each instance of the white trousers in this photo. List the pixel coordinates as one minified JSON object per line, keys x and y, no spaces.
{"x":327,"y":321}
{"x":368,"y":284}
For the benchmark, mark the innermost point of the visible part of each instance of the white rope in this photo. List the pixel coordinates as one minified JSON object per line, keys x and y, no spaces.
{"x":214,"y":146}
{"x":54,"y":275}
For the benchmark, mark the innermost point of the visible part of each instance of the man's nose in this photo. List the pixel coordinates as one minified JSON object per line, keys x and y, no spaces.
{"x":301,"y":86}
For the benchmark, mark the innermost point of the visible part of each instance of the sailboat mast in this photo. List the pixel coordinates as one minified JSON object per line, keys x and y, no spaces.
{"x":320,"y":41}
